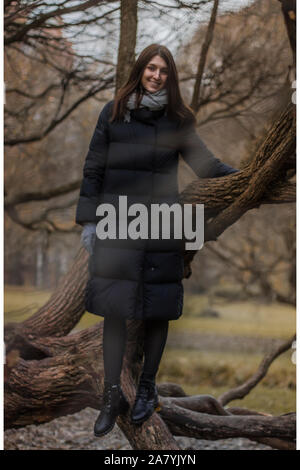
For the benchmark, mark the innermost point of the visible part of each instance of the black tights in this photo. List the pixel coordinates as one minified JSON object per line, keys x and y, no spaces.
{"x":114,"y":342}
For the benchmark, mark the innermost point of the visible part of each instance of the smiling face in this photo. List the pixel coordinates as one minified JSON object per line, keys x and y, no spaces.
{"x":155,"y":74}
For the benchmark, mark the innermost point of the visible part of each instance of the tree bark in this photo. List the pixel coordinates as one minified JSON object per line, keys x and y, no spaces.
{"x":68,"y":376}
{"x":126,"y":54}
{"x":206,"y":426}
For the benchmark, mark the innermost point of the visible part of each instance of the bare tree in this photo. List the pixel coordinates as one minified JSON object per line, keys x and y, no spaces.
{"x":245,"y":83}
{"x":203,"y":55}
{"x":49,"y":35}
{"x":242,"y":66}
{"x":259,"y":256}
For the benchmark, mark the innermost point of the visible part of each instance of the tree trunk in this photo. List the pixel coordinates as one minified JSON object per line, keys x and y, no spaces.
{"x":204,"y":51}
{"x":126,"y":54}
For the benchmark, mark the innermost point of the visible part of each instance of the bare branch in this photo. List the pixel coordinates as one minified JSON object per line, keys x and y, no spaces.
{"x":22,"y":30}
{"x":203,"y":55}
{"x":56,"y":121}
{"x":243,"y":390}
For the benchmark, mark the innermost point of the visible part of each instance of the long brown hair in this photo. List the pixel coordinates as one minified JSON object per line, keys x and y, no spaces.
{"x":176,"y":108}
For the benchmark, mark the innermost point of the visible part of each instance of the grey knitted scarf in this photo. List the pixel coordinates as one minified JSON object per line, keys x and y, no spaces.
{"x":153,"y":101}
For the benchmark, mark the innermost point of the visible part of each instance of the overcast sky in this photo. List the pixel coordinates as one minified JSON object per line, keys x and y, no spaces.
{"x":155,"y":24}
{"x":182,"y":23}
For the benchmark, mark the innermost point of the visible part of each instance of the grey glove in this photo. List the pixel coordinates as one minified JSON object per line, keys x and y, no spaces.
{"x":88,"y":237}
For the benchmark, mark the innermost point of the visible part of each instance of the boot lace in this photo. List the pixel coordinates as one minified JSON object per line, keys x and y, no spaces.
{"x":144,"y":391}
{"x":107,"y":398}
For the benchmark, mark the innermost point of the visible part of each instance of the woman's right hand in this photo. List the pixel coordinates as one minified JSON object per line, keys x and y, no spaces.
{"x":88,"y":237}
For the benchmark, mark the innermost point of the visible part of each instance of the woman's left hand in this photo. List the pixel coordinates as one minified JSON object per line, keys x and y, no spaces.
{"x":88,"y":237}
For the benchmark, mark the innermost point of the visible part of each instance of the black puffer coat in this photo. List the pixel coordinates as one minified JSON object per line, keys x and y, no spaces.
{"x":140,"y":278}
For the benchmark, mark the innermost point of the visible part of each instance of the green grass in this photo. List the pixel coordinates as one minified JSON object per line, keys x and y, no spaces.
{"x":87,"y":320}
{"x":21,"y":302}
{"x":239,"y":318}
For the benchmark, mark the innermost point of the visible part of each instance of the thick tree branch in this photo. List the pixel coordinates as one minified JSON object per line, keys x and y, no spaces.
{"x":183,"y":422}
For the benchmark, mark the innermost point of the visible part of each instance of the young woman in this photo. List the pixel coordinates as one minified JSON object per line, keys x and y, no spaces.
{"x":134,"y":153}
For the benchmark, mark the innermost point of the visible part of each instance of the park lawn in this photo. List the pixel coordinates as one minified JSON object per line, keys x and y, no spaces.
{"x":236,"y":318}
{"x":241,"y":318}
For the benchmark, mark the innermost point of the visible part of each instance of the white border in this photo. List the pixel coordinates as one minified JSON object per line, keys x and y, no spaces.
{"x":2,"y":247}
{"x":2,"y":232}
{"x":297,"y":241}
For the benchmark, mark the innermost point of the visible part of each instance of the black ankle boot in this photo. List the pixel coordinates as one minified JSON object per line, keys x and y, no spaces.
{"x":146,"y":402}
{"x":114,"y":404}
